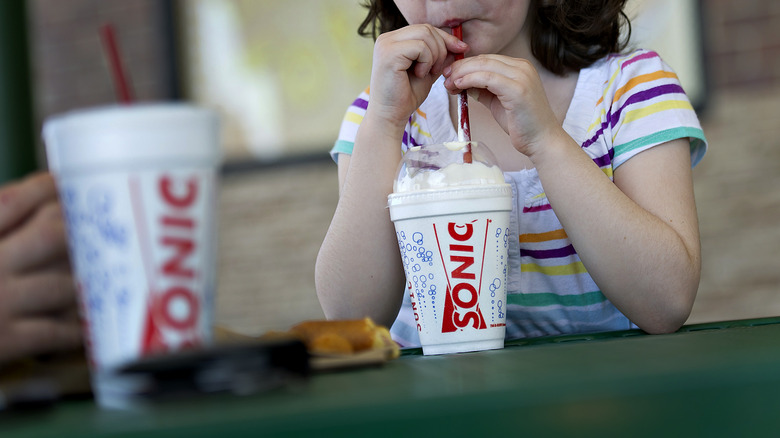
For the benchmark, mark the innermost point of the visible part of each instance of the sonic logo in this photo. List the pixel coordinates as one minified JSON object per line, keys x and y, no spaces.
{"x":462,"y":261}
{"x":174,"y":305}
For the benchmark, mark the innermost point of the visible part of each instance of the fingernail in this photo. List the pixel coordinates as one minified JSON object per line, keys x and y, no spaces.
{"x":447,"y":70}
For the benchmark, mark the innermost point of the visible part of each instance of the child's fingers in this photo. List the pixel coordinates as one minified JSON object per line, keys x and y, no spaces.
{"x":452,"y":46}
{"x":424,"y":47}
{"x":490,"y":72}
{"x":432,"y":50}
{"x":21,"y":199}
{"x":482,"y":63}
{"x":509,"y":87}
{"x":501,"y":86}
{"x":421,"y":56}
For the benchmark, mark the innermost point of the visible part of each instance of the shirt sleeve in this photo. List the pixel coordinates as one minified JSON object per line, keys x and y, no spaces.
{"x":349,"y":126}
{"x":649,"y":107}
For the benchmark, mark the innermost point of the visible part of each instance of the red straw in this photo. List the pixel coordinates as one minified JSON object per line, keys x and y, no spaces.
{"x":464,"y":131}
{"x":123,"y":92}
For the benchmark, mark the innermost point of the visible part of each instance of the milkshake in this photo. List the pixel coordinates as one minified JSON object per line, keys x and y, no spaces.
{"x":450,"y":208}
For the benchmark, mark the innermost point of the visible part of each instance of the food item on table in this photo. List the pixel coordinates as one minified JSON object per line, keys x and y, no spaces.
{"x":332,"y":345}
{"x":344,"y":336}
{"x":329,"y":343}
{"x":340,"y":337}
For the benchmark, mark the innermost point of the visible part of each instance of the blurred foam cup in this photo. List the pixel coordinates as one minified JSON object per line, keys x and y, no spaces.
{"x":138,"y":186}
{"x":450,"y":207}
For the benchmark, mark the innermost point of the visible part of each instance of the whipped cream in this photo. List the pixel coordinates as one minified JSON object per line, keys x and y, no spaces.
{"x":454,"y":175}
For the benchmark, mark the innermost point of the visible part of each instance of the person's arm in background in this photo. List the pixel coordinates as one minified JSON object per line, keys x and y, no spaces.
{"x":38,"y":312}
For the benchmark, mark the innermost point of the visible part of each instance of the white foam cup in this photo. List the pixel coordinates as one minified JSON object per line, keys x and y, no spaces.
{"x":138,"y":186}
{"x":453,"y":240}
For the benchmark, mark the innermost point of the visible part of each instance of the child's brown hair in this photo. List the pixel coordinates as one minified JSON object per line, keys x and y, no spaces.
{"x":566,"y":35}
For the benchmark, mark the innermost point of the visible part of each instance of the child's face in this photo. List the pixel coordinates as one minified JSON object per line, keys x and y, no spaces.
{"x":489,"y":26}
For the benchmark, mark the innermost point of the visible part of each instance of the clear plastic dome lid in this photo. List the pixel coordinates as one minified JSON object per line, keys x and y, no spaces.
{"x":444,"y":165}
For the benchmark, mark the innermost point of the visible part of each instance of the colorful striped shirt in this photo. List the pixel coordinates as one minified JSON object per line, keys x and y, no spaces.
{"x":622,"y":105}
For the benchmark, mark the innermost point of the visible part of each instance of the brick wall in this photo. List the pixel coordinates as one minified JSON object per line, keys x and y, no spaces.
{"x":271,"y":226}
{"x":70,"y":70}
{"x":742,"y":43}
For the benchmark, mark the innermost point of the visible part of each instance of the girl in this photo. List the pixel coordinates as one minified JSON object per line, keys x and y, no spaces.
{"x":598,"y":147}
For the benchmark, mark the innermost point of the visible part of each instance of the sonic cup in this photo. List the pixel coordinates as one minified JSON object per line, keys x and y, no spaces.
{"x":137,"y":186}
{"x":451,"y":218}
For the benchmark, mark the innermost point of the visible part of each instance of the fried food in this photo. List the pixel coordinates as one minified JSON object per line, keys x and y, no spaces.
{"x":345,"y":337}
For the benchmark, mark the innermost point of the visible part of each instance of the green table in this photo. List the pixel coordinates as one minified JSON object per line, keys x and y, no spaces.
{"x":711,"y":379}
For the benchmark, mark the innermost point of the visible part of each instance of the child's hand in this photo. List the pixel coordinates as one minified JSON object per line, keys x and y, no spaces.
{"x":511,"y":89}
{"x":406,"y":64}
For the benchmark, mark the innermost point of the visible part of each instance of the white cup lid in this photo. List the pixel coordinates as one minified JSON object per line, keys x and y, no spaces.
{"x":126,"y":134}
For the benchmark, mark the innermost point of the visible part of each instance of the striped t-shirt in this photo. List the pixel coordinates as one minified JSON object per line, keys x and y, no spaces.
{"x":622,"y":105}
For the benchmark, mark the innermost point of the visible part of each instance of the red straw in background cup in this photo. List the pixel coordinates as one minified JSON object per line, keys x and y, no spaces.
{"x":464,"y":128}
{"x":111,"y":49}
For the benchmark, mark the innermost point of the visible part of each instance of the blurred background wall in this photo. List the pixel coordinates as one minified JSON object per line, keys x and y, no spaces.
{"x":275,"y":208}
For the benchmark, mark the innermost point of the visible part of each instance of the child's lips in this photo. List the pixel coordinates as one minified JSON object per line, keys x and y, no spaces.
{"x":454,"y":22}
